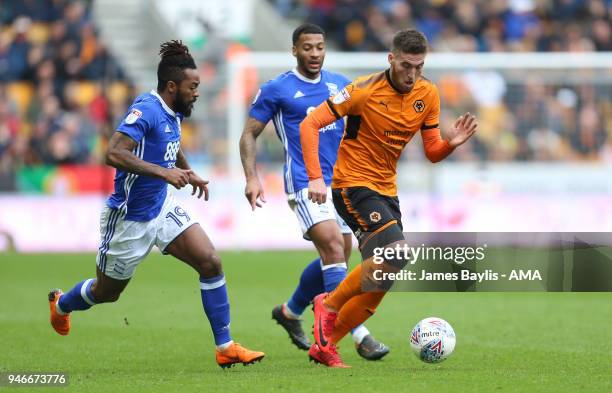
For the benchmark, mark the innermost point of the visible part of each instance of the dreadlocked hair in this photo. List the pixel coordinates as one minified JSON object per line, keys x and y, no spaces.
{"x":175,"y":58}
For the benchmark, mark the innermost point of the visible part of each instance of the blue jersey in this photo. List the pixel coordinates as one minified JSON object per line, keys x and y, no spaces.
{"x":157,"y":130}
{"x":287,"y":100}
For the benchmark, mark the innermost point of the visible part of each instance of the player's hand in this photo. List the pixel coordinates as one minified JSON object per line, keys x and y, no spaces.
{"x":465,"y":126}
{"x":317,"y":191}
{"x":178,"y":177}
{"x":254,"y":192}
{"x":199,"y":185}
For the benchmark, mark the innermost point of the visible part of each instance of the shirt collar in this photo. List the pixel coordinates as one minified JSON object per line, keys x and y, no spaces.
{"x":166,"y":107}
{"x":303,"y":78}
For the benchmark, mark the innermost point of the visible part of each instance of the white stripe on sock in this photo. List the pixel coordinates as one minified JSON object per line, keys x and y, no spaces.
{"x":207,"y":287}
{"x":289,"y":313}
{"x":333,"y":265}
{"x":84,"y":292}
{"x":359,"y":333}
{"x":58,"y":308}
{"x":225,"y":346}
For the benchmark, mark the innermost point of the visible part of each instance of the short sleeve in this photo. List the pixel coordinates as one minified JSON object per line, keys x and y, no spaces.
{"x":139,"y":120}
{"x":265,"y":105}
{"x":348,"y":101}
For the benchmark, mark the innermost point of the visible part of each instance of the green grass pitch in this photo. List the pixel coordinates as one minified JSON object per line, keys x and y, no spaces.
{"x":157,"y":339}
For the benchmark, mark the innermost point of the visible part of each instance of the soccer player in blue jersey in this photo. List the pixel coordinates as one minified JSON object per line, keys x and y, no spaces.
{"x":141,"y":213}
{"x":287,"y":100}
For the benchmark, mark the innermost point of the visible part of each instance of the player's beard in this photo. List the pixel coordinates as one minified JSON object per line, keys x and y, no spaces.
{"x":183,"y":107}
{"x":307,"y":69}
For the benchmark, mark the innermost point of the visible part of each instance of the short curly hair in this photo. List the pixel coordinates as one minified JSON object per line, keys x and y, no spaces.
{"x":409,"y":41}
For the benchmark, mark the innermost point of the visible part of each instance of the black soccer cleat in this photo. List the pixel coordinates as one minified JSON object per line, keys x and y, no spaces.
{"x":293,"y":327}
{"x":370,"y":349}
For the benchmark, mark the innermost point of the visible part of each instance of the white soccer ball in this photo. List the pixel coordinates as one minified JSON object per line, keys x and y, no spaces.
{"x":433,"y":340}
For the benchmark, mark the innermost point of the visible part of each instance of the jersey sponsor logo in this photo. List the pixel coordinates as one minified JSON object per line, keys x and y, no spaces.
{"x":256,"y":97}
{"x":341,"y":97}
{"x":419,"y":106}
{"x":398,"y":137}
{"x":134,"y":115}
{"x":298,"y":94}
{"x":333,"y":88}
{"x":329,"y":127}
{"x":172,"y":149}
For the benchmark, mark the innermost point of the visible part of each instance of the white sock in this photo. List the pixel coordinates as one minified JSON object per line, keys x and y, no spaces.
{"x":288,"y":313}
{"x":58,"y":309}
{"x":225,"y":346}
{"x":359,"y":333}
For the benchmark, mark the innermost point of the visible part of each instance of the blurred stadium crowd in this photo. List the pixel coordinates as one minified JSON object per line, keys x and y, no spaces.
{"x":462,"y":25}
{"x":521,"y":118}
{"x":62,"y":93}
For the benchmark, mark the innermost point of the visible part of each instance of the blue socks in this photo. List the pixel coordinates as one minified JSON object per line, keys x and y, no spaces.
{"x":217,"y":308}
{"x":333,"y":275}
{"x":77,"y":299}
{"x":310,"y":285}
{"x":315,"y":279}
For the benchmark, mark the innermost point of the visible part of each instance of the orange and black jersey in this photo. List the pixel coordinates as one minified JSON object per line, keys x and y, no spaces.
{"x":380,"y":122}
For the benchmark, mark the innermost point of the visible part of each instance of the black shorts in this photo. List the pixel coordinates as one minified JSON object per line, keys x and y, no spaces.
{"x":366,"y":211}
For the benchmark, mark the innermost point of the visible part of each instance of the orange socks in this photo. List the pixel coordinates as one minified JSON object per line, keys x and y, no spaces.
{"x":355,"y":312}
{"x":349,"y":287}
{"x":353,"y":304}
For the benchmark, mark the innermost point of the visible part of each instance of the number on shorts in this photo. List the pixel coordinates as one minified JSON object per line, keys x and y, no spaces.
{"x":178,"y":212}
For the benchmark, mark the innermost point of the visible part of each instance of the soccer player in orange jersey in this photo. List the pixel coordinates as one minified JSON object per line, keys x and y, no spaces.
{"x":384,"y":111}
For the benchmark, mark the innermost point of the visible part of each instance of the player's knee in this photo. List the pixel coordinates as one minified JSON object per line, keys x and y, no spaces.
{"x":333,"y":250}
{"x":210,"y":264}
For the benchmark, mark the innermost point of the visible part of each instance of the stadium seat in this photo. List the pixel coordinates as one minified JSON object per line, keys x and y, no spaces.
{"x":38,"y":33}
{"x":21,"y":94}
{"x":117,"y":92}
{"x":85,"y":92}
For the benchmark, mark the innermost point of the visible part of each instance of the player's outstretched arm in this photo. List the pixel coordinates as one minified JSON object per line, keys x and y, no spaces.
{"x":309,"y":138}
{"x":120,"y":155}
{"x":248,"y":153}
{"x":198,"y":184}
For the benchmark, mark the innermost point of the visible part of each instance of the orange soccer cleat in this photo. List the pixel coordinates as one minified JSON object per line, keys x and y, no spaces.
{"x":329,"y":358}
{"x":61,"y":323}
{"x":324,"y":321}
{"x":236,"y":353}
